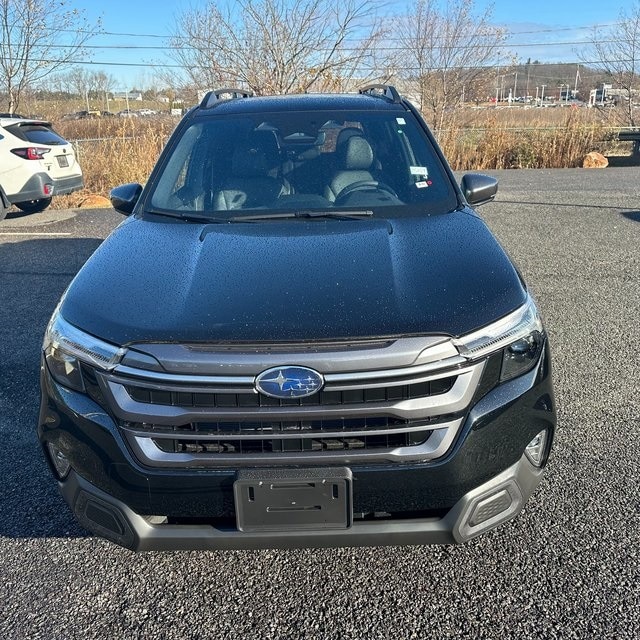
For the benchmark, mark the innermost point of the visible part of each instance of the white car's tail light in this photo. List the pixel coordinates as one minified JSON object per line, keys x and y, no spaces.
{"x":31,"y":153}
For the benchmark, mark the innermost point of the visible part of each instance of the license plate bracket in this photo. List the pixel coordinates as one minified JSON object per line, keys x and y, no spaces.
{"x":63,"y":161}
{"x":293,"y":499}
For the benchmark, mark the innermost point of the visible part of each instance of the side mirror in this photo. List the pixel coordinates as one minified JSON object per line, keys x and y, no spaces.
{"x":479,"y":189}
{"x":124,"y":198}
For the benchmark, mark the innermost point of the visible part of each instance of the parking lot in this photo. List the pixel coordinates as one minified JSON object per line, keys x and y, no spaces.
{"x":568,"y":567}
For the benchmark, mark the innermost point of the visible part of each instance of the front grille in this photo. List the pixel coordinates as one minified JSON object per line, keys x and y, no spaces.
{"x":187,"y":420}
{"x":277,"y":437}
{"x":251,"y":429}
{"x":426,"y":389}
{"x":318,"y":444}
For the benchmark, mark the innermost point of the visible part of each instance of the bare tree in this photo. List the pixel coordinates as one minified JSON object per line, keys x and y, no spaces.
{"x":37,"y":37}
{"x":616,"y":52}
{"x":79,"y":81}
{"x":103,"y":83}
{"x":446,"y":53}
{"x":278,"y":46}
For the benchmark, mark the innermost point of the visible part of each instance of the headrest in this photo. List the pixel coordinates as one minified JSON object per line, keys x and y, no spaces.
{"x":256,"y":156}
{"x":346,"y":133}
{"x":356,"y":153}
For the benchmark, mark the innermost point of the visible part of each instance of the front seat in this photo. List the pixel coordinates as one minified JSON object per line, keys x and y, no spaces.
{"x":355,"y":158}
{"x":254,"y":180}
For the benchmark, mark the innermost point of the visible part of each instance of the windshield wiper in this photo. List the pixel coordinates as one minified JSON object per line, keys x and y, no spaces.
{"x":189,"y":217}
{"x":339,"y":215}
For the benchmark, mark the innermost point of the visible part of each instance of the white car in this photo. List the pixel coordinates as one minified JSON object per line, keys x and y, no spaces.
{"x":35,"y":164}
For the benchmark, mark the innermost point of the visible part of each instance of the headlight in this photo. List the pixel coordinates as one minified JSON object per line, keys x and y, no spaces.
{"x":65,"y":346}
{"x":519,"y":336}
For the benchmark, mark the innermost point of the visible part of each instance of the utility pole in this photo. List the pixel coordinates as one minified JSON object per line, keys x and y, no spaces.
{"x":537,"y":90}
{"x":515,"y":86}
{"x":542,"y":96}
{"x":497,"y":94}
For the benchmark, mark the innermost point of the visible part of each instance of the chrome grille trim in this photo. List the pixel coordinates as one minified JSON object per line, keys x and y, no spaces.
{"x":448,"y":364}
{"x":435,"y":447}
{"x":455,"y":400}
{"x":280,"y":435}
{"x":175,"y":378}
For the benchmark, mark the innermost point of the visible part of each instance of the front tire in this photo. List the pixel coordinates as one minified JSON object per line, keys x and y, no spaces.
{"x":33,"y":206}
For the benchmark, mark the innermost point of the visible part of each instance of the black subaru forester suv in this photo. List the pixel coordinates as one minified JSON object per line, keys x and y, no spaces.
{"x":303,"y":335}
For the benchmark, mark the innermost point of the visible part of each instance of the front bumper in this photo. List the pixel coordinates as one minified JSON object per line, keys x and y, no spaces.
{"x":494,"y":502}
{"x":115,"y":495}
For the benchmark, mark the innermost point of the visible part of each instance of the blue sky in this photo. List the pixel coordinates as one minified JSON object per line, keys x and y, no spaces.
{"x":529,"y":23}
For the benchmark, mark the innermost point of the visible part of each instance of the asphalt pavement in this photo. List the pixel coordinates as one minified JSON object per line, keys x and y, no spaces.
{"x":568,"y":567}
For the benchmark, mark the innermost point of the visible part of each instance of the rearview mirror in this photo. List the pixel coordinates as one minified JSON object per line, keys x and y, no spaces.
{"x":479,"y":189}
{"x":124,"y":198}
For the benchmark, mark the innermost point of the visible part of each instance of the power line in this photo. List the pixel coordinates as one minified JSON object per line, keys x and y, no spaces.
{"x":392,"y":38}
{"x":381,"y":68}
{"x":123,"y":47}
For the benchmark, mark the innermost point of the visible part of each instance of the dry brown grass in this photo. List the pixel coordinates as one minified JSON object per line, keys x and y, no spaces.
{"x":503,"y":138}
{"x":495,"y":142}
{"x":114,"y":151}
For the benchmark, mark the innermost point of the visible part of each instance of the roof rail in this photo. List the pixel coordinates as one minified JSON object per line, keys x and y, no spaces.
{"x":212,"y":97}
{"x":381,"y":91}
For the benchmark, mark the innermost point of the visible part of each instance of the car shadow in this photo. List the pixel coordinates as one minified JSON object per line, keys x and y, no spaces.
{"x":631,"y":215}
{"x":17,"y":214}
{"x":33,"y":275}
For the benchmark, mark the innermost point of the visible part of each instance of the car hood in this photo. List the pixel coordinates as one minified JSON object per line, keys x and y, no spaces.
{"x":292,"y":280}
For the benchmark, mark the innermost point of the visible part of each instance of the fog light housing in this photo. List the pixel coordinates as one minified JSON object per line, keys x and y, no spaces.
{"x":59,"y":460}
{"x":537,"y":448}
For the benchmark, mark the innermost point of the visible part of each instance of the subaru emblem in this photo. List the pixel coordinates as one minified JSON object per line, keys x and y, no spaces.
{"x":289,"y":382}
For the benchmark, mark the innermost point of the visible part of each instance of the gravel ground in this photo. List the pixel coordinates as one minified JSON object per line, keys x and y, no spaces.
{"x":568,"y":567}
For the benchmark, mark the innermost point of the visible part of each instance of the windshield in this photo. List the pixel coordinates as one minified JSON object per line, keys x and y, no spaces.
{"x":378,"y":163}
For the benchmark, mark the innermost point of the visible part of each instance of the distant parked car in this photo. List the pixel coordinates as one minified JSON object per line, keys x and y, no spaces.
{"x":35,"y":164}
{"x":127,"y":113}
{"x":76,"y":115}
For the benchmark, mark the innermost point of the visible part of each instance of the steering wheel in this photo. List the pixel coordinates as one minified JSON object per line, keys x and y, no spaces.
{"x":365,"y":185}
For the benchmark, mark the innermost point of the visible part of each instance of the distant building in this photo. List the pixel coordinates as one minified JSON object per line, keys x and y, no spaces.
{"x":131,"y":95}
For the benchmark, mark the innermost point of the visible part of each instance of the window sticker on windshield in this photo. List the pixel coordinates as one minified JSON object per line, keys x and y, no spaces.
{"x":401,"y":121}
{"x":423,"y":184}
{"x":419,"y":171}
